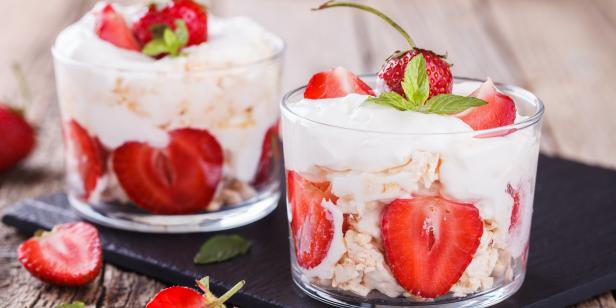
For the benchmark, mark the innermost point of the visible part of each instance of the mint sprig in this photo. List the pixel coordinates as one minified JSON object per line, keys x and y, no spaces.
{"x":416,"y":88}
{"x":167,"y":41}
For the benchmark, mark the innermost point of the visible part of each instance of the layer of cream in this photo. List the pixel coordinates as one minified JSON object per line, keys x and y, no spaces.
{"x":228,"y":85}
{"x":367,"y":168}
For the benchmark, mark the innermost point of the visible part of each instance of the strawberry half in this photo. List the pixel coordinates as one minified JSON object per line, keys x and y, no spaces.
{"x":112,"y":27}
{"x":16,"y":137}
{"x":183,"y":297}
{"x":439,"y":74}
{"x":269,"y":153}
{"x":69,"y":255}
{"x":312,"y":225}
{"x":192,"y":13}
{"x":336,"y":82}
{"x":429,"y":242}
{"x":181,"y":178}
{"x":500,"y":110}
{"x":88,"y":153}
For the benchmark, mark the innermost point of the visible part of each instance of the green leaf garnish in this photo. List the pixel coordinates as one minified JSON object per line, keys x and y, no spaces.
{"x":415,"y":83}
{"x":221,"y":248}
{"x":75,"y":304}
{"x":416,"y":87}
{"x":450,"y":104}
{"x":167,"y":41}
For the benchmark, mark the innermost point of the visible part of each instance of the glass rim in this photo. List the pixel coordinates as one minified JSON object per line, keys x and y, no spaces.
{"x":508,"y":89}
{"x":280,"y":48}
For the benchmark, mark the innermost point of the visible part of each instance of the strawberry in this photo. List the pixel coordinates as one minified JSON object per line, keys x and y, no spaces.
{"x":500,"y":110}
{"x":88,"y":153}
{"x":69,"y":255}
{"x":193,"y":14}
{"x":17,"y":137}
{"x":112,"y":27}
{"x":181,"y":178}
{"x":183,"y":297}
{"x":429,"y":242}
{"x":392,"y":72}
{"x":312,"y":225}
{"x":515,"y":209}
{"x":336,"y":82}
{"x":269,"y":153}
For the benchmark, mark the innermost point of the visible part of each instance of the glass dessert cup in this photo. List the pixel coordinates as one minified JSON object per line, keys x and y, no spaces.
{"x":171,"y":151}
{"x":347,"y":180}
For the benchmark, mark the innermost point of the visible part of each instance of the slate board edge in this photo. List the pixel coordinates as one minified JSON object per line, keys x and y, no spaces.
{"x":242,"y":298}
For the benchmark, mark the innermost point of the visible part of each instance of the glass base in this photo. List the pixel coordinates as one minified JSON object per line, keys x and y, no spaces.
{"x":127,"y":217}
{"x":338,"y":298}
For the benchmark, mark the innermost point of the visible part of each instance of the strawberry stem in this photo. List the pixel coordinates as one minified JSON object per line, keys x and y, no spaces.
{"x":231,"y":292}
{"x":24,"y":89}
{"x":333,"y":3}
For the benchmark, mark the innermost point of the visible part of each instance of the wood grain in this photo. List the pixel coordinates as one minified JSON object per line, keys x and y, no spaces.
{"x":561,"y":50}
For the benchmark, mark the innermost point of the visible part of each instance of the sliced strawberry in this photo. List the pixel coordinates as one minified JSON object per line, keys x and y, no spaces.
{"x":192,"y":13}
{"x":500,"y":110}
{"x":182,"y":297}
{"x":88,"y":153}
{"x":337,"y":82}
{"x":312,"y":225}
{"x":178,"y":179}
{"x":269,"y":152}
{"x":112,"y":27}
{"x":16,"y":138}
{"x":515,"y":210}
{"x":69,"y":255}
{"x":429,"y":242}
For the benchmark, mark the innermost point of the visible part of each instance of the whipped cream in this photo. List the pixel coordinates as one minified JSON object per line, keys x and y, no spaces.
{"x":228,"y":85}
{"x":373,"y":154}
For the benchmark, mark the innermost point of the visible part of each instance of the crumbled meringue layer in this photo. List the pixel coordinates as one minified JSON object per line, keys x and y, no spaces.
{"x":367,"y":170}
{"x":229,"y":85}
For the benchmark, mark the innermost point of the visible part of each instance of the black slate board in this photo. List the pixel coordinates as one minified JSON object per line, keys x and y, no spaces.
{"x":572,"y":251}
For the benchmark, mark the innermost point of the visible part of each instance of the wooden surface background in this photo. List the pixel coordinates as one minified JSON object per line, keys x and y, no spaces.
{"x":562,"y":50}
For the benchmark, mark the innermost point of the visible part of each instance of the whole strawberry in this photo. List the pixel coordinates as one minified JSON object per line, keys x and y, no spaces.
{"x":16,"y":137}
{"x":392,"y":72}
{"x":183,"y":297}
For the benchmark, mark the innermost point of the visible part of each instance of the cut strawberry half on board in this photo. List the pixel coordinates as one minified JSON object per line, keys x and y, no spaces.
{"x":16,"y":137}
{"x":68,"y":255}
{"x":183,"y":297}
{"x":181,"y":178}
{"x":500,"y":110}
{"x":429,"y":242}
{"x":269,"y":153}
{"x":312,"y":224}
{"x":111,"y":27}
{"x":192,"y":13}
{"x":337,"y":82}
{"x":88,"y":153}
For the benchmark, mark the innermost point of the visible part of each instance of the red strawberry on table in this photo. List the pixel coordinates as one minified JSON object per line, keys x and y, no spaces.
{"x":17,"y":138}
{"x":192,"y":13}
{"x":392,"y":73}
{"x":429,"y":242}
{"x":111,"y":27}
{"x":500,"y":110}
{"x":312,"y":225}
{"x":88,"y":153}
{"x":69,"y":255}
{"x":269,"y":152}
{"x":183,"y":297}
{"x":337,"y":82}
{"x":181,"y":178}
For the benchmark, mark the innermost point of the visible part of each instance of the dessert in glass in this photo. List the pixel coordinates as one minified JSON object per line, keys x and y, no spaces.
{"x":170,"y":117}
{"x":409,"y":187}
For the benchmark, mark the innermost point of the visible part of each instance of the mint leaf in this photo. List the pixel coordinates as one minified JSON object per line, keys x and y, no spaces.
{"x":221,"y":248}
{"x":167,"y":41}
{"x":415,"y":83}
{"x":450,"y":104}
{"x":391,"y":99}
{"x":75,"y":304}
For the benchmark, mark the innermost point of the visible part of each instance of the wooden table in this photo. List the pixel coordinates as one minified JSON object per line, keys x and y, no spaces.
{"x":564,"y":51}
